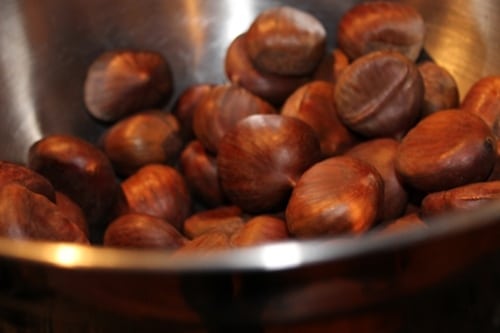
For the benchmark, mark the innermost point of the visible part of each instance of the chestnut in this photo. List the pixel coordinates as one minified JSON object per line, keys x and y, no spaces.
{"x":16,"y":173}
{"x":405,"y":222}
{"x":122,"y":82}
{"x":446,"y":149}
{"x":286,"y":41}
{"x":28,"y":215}
{"x":261,"y":159}
{"x":240,"y":70}
{"x":199,"y":168}
{"x":80,"y":170}
{"x":143,"y":138}
{"x":495,"y":173}
{"x":226,"y":219}
{"x":339,"y":195}
{"x":72,"y":211}
{"x":142,"y":231}
{"x":381,"y":25}
{"x":205,"y":243}
{"x":221,"y":109}
{"x":381,"y":153}
{"x":380,"y":95}
{"x":314,"y":104}
{"x":482,"y":99}
{"x":440,"y":88}
{"x":331,"y":66}
{"x":461,"y":198}
{"x":185,"y":105}
{"x":158,"y":190}
{"x":261,"y":229}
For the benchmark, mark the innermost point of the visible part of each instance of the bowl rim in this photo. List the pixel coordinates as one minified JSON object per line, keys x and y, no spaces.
{"x":283,"y":255}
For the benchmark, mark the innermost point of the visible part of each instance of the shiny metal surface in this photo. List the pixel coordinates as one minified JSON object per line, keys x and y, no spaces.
{"x":45,"y":48}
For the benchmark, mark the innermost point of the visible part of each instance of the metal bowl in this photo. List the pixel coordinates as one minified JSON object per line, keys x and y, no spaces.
{"x":45,"y":49}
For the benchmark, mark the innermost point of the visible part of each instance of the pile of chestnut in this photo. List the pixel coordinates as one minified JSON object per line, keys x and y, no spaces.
{"x":301,"y":142}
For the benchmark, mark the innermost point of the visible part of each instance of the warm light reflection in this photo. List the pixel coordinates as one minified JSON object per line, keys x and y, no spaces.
{"x":196,"y":31}
{"x":240,"y":15}
{"x":67,"y":255}
{"x":281,"y":255}
{"x":17,"y":66}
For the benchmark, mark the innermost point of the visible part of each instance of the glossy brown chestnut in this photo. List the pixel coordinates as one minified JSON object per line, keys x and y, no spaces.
{"x":185,"y":105}
{"x":143,"y":138}
{"x":405,"y":222}
{"x":72,"y":211}
{"x":483,"y":99}
{"x":339,"y":195}
{"x":495,"y":174}
{"x":199,"y":168}
{"x":461,"y":198}
{"x":142,"y":231}
{"x":331,"y":66}
{"x":16,"y":173}
{"x":240,"y":70}
{"x":206,"y":243}
{"x":286,"y":41}
{"x":261,"y":159}
{"x":381,"y":153}
{"x":380,"y":94}
{"x":446,"y":149}
{"x":158,"y":190}
{"x":381,"y":25}
{"x":226,"y":219}
{"x":262,"y":229}
{"x":440,"y":88}
{"x":28,"y":215}
{"x":314,"y":104}
{"x":81,"y":171}
{"x":119,"y":83}
{"x":221,"y":109}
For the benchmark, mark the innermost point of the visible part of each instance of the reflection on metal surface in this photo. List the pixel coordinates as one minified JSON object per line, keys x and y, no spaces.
{"x":462,"y":36}
{"x":16,"y":66}
{"x":196,"y":31}
{"x":239,"y":17}
{"x":66,"y":255}
{"x":281,"y":256}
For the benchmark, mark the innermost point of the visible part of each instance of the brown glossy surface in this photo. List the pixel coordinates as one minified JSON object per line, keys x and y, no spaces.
{"x":379,"y":94}
{"x":446,"y":149}
{"x":261,"y":159}
{"x":339,"y":195}
{"x":382,"y":25}
{"x":46,"y":49}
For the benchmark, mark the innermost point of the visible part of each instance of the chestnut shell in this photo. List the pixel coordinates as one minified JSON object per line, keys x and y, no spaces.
{"x":381,"y":153}
{"x":314,"y":104}
{"x":34,"y":181}
{"x":142,"y":231}
{"x":381,"y":25}
{"x":483,"y":99}
{"x":261,"y":159}
{"x":121,"y":82}
{"x":220,"y":110}
{"x":143,"y":138}
{"x":441,"y":90}
{"x":380,"y":94}
{"x":449,"y":148}
{"x":81,"y":171}
{"x":158,"y":190}
{"x":28,"y":215}
{"x":241,"y":71}
{"x":339,"y":195}
{"x":285,"y":40}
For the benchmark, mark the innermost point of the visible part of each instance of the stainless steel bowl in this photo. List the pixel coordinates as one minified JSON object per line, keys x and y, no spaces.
{"x":45,"y":49}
